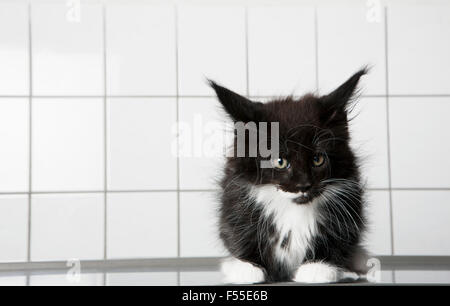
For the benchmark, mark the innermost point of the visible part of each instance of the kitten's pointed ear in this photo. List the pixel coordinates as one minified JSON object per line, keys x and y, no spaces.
{"x":338,"y":100}
{"x":237,"y":106}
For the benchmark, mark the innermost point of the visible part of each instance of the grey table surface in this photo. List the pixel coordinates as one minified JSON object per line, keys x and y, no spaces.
{"x":199,"y":272}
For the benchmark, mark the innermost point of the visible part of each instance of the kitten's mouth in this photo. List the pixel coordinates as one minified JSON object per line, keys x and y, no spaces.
{"x":297,"y":197}
{"x":304,"y":198}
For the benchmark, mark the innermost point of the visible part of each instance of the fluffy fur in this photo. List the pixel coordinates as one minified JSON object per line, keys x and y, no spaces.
{"x":303,"y":222}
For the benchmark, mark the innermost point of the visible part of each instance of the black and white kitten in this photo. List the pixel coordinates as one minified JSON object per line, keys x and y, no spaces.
{"x":302,"y":219}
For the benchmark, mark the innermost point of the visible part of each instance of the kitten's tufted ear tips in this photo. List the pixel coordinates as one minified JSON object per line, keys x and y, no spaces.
{"x":336,"y":104}
{"x":344,"y":93}
{"x":238,"y":107}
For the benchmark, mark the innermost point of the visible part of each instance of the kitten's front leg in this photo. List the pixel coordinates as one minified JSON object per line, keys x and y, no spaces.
{"x":321,"y":272}
{"x":241,"y":272}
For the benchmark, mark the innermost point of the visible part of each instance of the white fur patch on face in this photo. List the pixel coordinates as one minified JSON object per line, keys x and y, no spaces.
{"x":298,"y":222}
{"x":240,"y":272}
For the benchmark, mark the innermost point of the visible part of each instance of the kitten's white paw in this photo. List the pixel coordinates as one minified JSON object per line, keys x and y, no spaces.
{"x":317,"y":272}
{"x":240,"y":272}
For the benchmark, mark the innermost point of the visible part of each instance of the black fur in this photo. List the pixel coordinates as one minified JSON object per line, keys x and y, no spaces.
{"x":309,"y":126}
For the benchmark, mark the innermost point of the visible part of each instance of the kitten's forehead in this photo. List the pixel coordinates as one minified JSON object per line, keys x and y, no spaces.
{"x":301,"y":116}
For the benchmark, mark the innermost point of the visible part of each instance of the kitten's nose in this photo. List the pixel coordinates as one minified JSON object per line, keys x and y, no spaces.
{"x":304,"y":187}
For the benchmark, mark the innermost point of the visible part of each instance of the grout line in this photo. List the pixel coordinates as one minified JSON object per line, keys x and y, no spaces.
{"x":30,"y":139}
{"x":105,"y":144}
{"x":247,"y":70}
{"x":419,"y":189}
{"x":419,"y":95}
{"x":158,"y":96}
{"x":14,"y":97}
{"x":15,"y":193}
{"x":67,"y":97}
{"x":209,"y":96}
{"x":388,"y":127}
{"x":163,"y":190}
{"x":316,"y":46}
{"x":177,"y":115}
{"x":107,"y":191}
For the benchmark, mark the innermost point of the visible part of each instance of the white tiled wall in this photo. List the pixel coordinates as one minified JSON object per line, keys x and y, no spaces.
{"x":88,"y":106}
{"x":281,"y":50}
{"x":211,"y":43}
{"x":67,"y":144}
{"x":198,"y":225}
{"x":378,"y":237}
{"x":14,"y":137}
{"x":142,"y":225}
{"x":140,"y":139}
{"x":425,"y":121}
{"x":421,"y":224}
{"x":198,"y":171}
{"x":70,"y":225}
{"x":66,"y":56}
{"x":419,"y":47}
{"x":369,"y":133}
{"x":13,"y":227}
{"x":140,"y":49}
{"x":346,"y":42}
{"x":14,"y":58}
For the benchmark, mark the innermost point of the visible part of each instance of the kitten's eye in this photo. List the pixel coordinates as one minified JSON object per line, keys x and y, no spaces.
{"x":280,"y":163}
{"x":318,"y":160}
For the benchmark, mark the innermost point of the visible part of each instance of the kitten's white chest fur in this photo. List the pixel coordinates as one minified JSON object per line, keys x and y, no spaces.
{"x":298,"y":222}
{"x":301,"y":222}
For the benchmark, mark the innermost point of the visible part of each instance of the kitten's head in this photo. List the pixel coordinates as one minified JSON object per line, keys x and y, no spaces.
{"x":314,"y":139}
